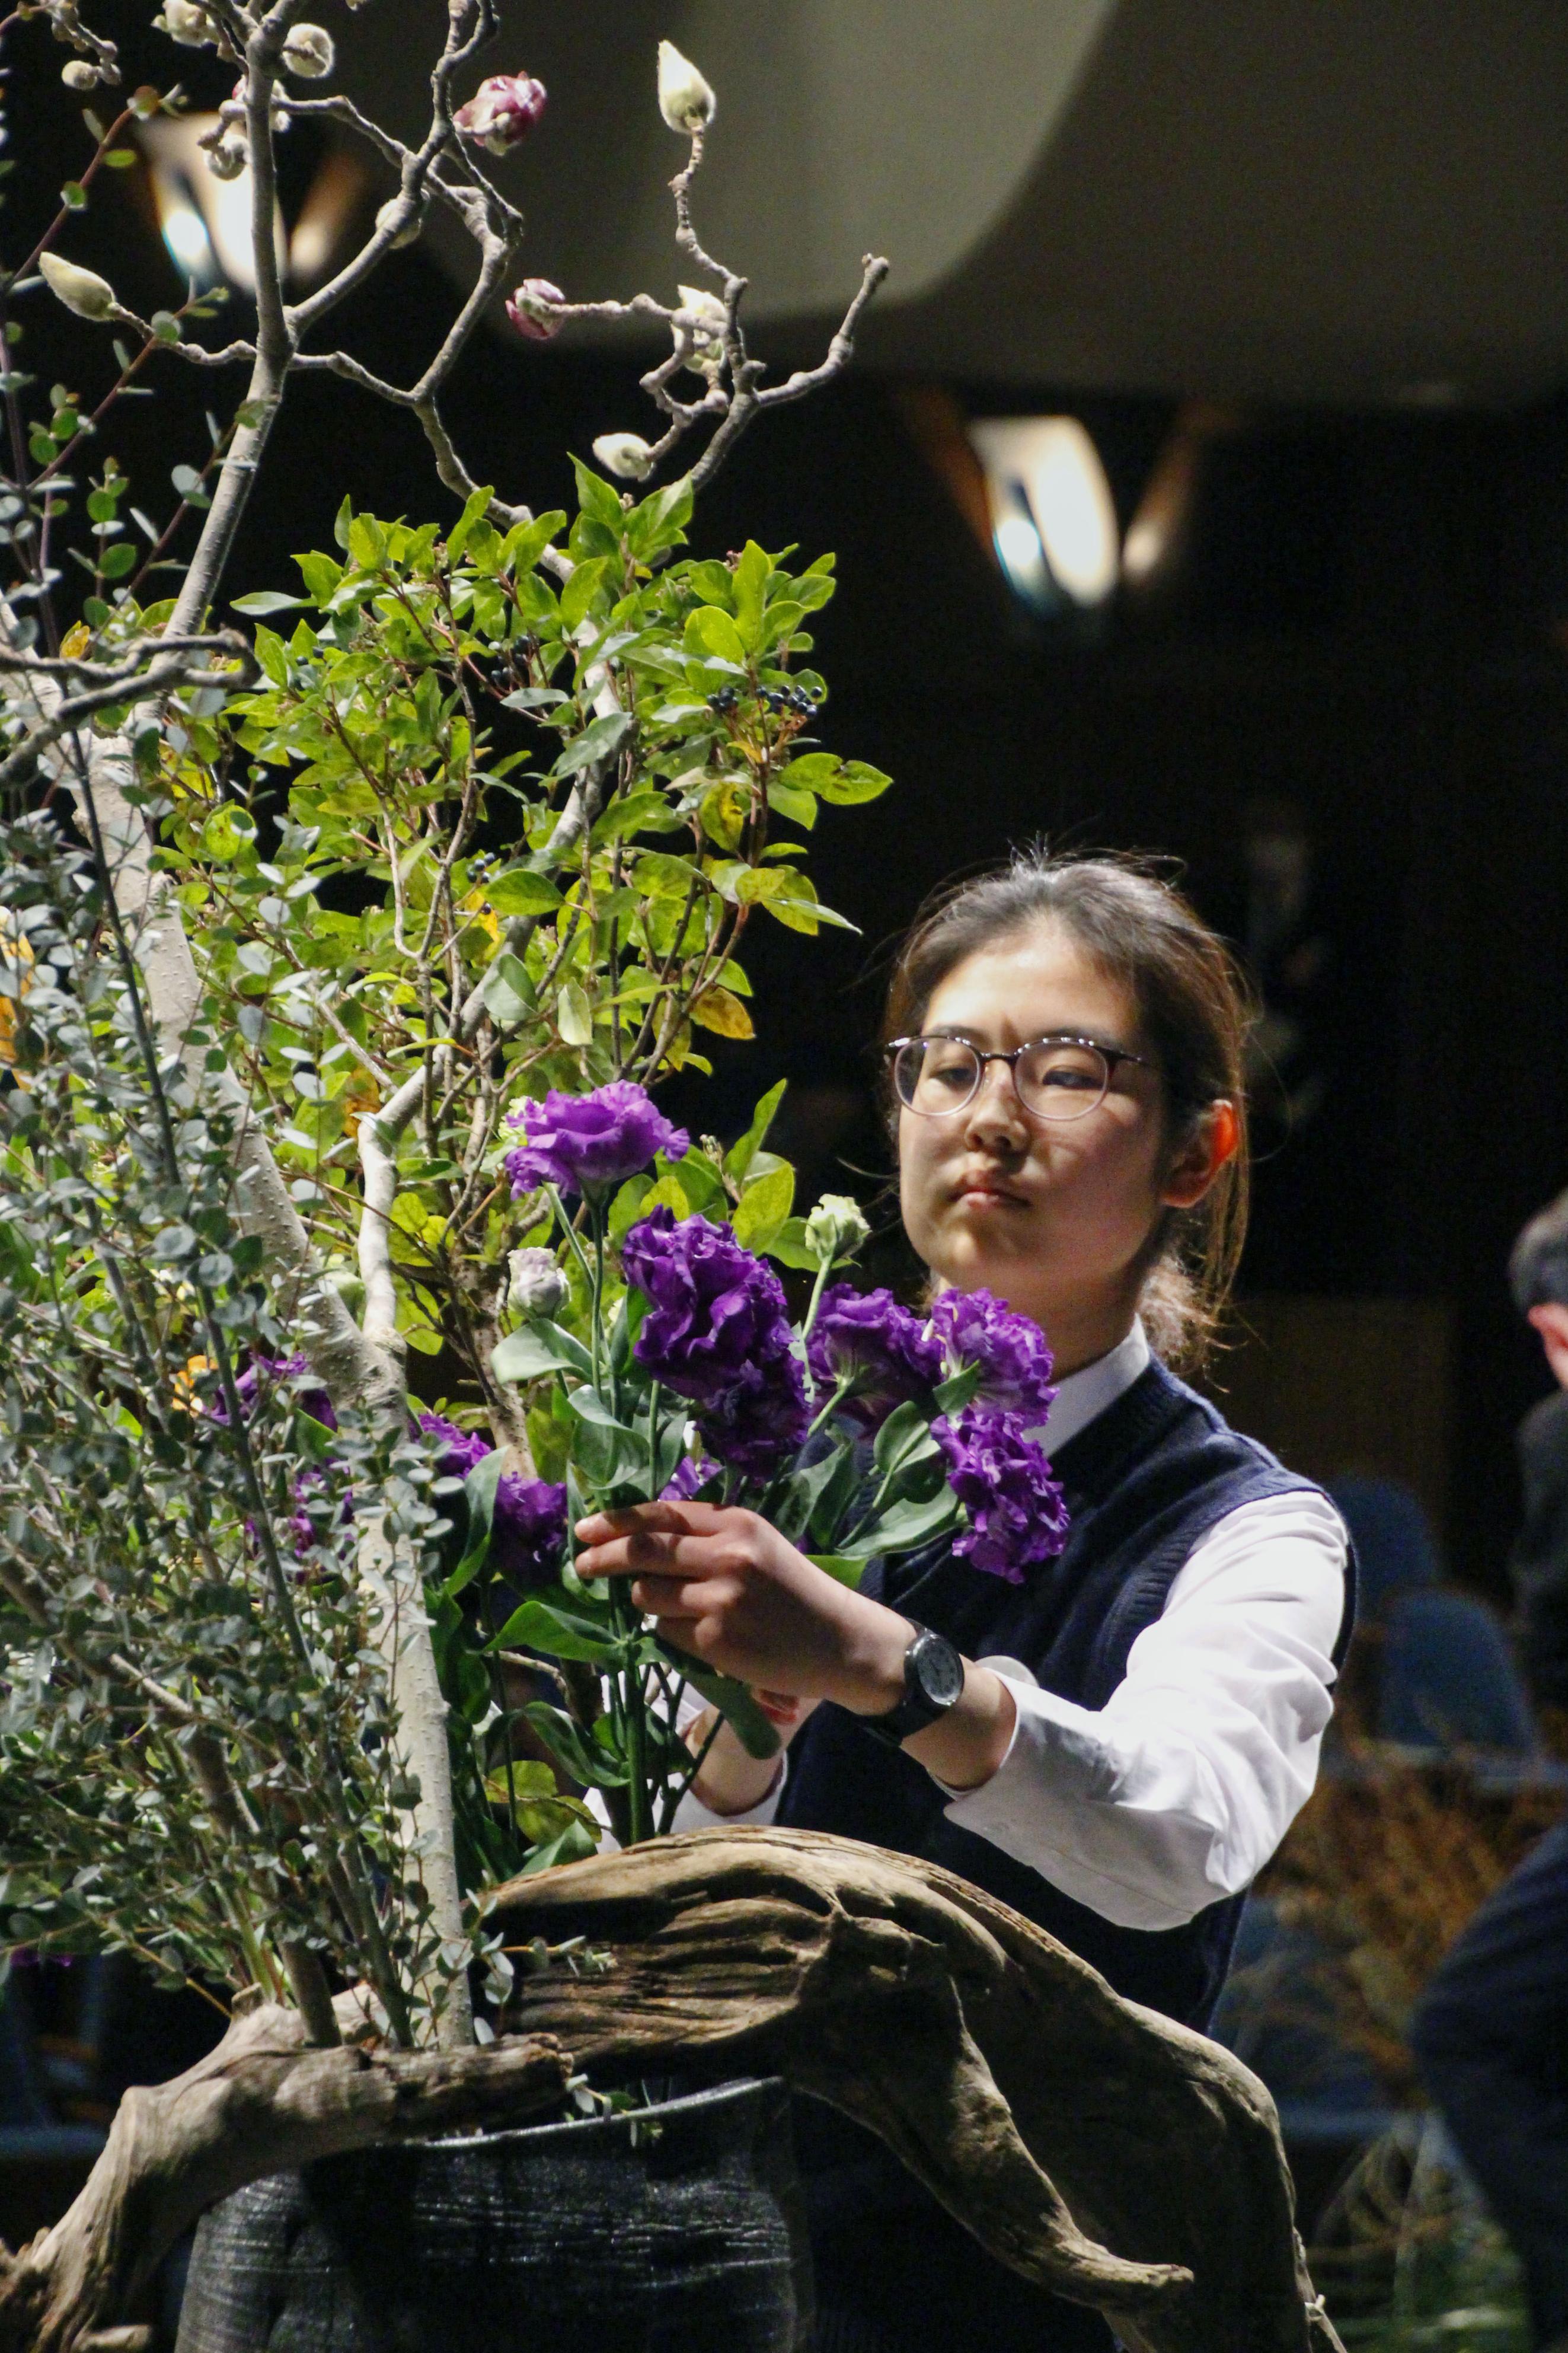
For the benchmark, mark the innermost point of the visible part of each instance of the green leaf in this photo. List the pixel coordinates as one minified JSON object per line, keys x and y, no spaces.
{"x":537,"y":1347}
{"x":798,"y":806}
{"x":480,"y":1495}
{"x":581,"y":590}
{"x":267,"y":600}
{"x":953,"y":1394}
{"x":507,"y":991}
{"x":750,"y":582}
{"x":626,"y":1207}
{"x":538,"y":1625}
{"x":636,"y":813}
{"x":788,"y":1246}
{"x":905,"y":1438}
{"x":756,"y":1733}
{"x":575,"y":1016}
{"x":474,"y":509}
{"x":739,"y":1158}
{"x":711,"y":635}
{"x":600,"y":740}
{"x":367,"y":544}
{"x":763,"y":1207}
{"x":909,"y":1525}
{"x":116,"y":561}
{"x":583,"y":1761}
{"x":724,"y":1014}
{"x":575,"y":1843}
{"x":597,"y":499}
{"x":519,"y":892}
{"x":839,"y":1565}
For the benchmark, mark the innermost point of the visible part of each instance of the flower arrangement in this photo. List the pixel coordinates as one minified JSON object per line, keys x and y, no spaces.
{"x":665,"y":1356}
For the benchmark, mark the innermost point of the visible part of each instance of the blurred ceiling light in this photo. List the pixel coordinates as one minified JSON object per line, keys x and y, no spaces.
{"x":1052,"y":516}
{"x":206,"y":221}
{"x":1158,"y":534}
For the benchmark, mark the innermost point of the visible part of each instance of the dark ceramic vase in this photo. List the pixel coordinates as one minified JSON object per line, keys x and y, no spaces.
{"x":595,"y":2237}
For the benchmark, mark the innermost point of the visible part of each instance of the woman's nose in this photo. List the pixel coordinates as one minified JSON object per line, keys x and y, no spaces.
{"x":994,"y":1110}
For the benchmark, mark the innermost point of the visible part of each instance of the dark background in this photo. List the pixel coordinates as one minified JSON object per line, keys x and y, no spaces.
{"x":1365,"y":621}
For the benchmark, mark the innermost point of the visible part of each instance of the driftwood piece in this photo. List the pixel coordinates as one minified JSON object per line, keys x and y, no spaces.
{"x":1094,"y":2146}
{"x":261,"y":2103}
{"x":1114,"y":2158}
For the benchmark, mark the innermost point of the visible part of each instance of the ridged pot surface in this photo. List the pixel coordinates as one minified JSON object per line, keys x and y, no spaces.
{"x":600,"y":2235}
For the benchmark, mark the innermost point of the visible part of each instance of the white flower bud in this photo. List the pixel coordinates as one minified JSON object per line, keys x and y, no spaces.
{"x":81,"y":291}
{"x":308,"y":51}
{"x":627,"y":454}
{"x":706,"y":319}
{"x":185,"y":23}
{"x":686,"y":101}
{"x":537,"y":1287}
{"x":80,"y":75}
{"x":836,"y":1228}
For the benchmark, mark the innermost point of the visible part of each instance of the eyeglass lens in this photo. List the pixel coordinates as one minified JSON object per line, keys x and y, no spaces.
{"x":1057,"y":1079}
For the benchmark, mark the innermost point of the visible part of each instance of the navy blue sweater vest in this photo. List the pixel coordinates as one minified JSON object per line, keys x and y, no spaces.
{"x":1144,"y":1482}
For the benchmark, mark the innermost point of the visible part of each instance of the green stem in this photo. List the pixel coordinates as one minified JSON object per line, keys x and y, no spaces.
{"x":817,"y":1288}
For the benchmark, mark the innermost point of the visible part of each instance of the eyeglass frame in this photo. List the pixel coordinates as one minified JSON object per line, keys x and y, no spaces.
{"x":1013,"y":1055}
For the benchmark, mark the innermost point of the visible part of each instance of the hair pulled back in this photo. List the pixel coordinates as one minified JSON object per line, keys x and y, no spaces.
{"x":1192,"y":1008}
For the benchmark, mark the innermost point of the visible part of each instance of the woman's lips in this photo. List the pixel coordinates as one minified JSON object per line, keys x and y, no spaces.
{"x":988,"y":1188}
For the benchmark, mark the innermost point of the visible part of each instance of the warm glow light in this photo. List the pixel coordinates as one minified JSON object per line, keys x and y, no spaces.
{"x":1045,"y":472}
{"x":206,"y":221}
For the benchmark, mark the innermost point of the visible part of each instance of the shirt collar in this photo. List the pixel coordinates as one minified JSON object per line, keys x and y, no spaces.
{"x":1084,"y":1395}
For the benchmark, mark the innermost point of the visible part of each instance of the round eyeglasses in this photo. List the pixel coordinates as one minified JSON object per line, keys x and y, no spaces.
{"x":1055,"y":1078}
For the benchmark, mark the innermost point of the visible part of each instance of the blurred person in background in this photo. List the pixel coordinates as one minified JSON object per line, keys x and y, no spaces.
{"x":1490,"y":2035}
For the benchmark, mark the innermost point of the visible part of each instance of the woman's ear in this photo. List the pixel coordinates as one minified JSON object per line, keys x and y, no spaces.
{"x":1215,"y":1138}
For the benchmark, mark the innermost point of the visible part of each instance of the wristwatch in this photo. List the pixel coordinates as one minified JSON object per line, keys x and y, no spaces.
{"x":933,"y":1681}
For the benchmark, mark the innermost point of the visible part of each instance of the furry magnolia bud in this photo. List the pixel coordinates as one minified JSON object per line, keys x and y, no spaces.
{"x":185,"y":23}
{"x":308,"y":51}
{"x":501,"y":111}
{"x":685,"y":99}
{"x":81,"y":291}
{"x":537,"y":1287}
{"x":409,"y":233}
{"x":80,"y":75}
{"x":226,"y":158}
{"x":529,"y":308}
{"x":625,"y":454}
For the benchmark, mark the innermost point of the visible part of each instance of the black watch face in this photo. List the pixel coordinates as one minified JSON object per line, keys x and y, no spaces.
{"x":936,"y":1670}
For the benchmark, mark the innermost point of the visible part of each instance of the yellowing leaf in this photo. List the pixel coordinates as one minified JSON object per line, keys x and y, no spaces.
{"x":719,"y":1010}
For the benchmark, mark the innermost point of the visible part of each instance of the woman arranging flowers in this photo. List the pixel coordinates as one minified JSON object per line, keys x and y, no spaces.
{"x":1112,"y":1736}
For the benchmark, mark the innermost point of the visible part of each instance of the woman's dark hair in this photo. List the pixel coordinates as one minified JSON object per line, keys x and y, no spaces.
{"x":1192,"y":1008}
{"x":1538,"y":1266}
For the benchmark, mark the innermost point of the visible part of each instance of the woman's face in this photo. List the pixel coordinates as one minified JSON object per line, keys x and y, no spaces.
{"x":1052,"y":1216}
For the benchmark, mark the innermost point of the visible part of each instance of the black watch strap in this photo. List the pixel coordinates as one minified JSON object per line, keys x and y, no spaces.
{"x":934,"y":1682}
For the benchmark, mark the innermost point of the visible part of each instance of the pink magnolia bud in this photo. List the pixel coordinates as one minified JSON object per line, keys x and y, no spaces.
{"x":530,"y":307}
{"x":501,"y":111}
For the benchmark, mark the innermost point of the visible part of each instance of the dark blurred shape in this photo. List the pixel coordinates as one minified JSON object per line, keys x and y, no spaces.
{"x":1449,"y":1679}
{"x":1395,"y":1546}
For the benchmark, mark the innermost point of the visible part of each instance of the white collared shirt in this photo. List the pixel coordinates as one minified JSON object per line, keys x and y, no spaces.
{"x":1180,"y":1788}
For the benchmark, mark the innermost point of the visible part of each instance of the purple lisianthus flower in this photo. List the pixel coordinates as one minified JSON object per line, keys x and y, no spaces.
{"x":266,"y":1373}
{"x":718,"y":1333}
{"x":589,"y":1144}
{"x":528,"y":1531}
{"x":692,"y":1474}
{"x":975,"y":1327}
{"x":1016,"y":1513}
{"x":761,"y":1420}
{"x":866,"y":1337}
{"x":461,"y":1450}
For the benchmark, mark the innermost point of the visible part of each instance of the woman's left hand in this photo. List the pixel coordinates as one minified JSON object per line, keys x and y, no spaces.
{"x":723,"y":1585}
